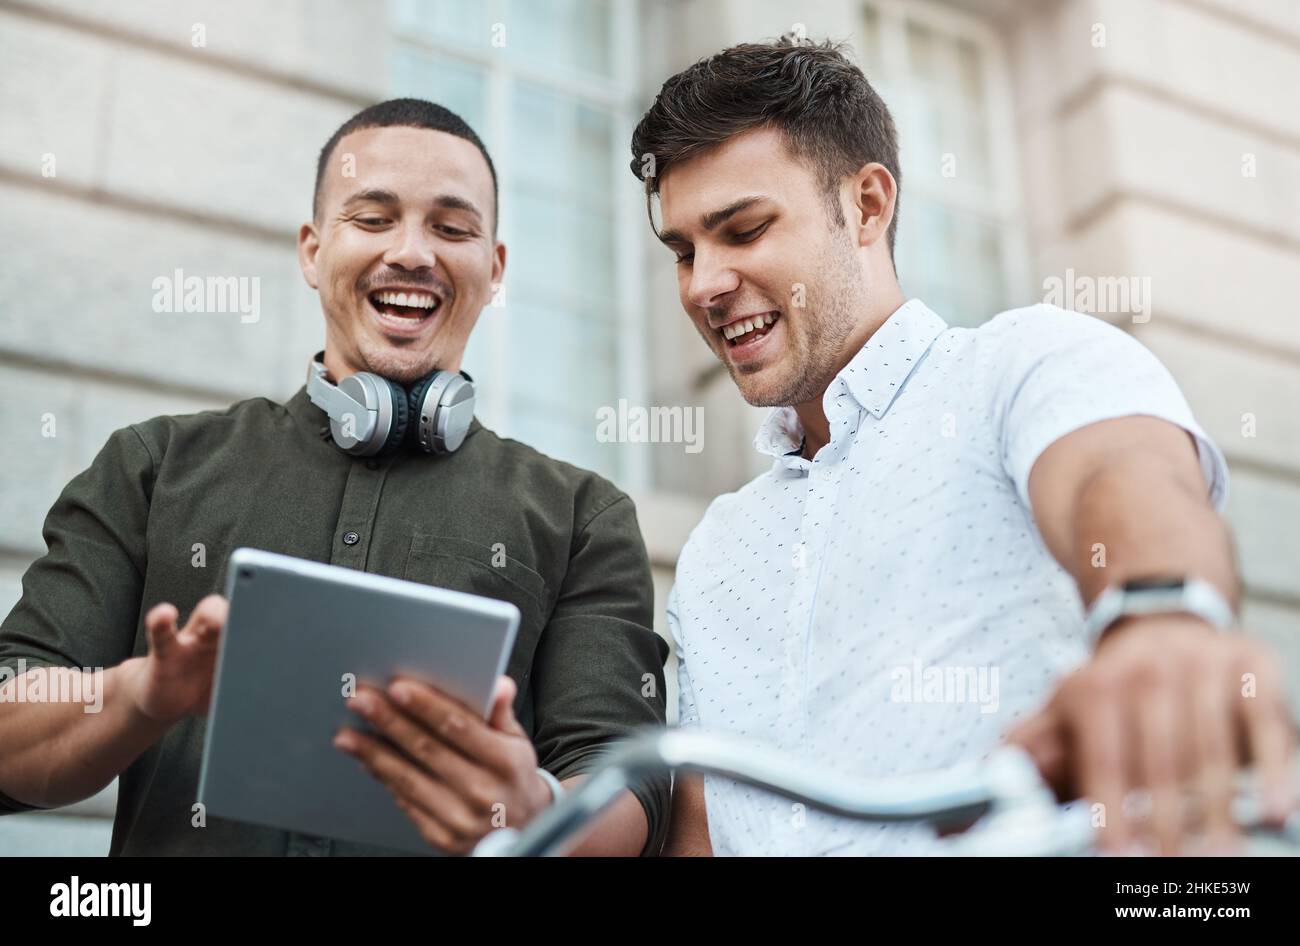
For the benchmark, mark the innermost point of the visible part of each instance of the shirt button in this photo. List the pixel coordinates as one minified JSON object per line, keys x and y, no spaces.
{"x":372,"y":464}
{"x":351,"y":538}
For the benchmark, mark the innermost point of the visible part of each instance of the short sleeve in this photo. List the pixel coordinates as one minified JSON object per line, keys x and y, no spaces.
{"x":1051,"y":372}
{"x":688,"y":713}
{"x":80,"y":604}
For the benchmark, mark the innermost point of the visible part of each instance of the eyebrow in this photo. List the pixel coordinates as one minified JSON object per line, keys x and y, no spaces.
{"x":714,"y":218}
{"x":379,"y":195}
{"x":374,"y":195}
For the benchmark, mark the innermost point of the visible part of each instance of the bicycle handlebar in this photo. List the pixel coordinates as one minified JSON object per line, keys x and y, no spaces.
{"x":1013,"y":810}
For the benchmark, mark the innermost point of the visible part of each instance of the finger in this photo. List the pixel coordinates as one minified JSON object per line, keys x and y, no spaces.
{"x":434,"y":831}
{"x":405,"y":781}
{"x":1211,"y":716}
{"x":1268,"y":733}
{"x":1042,"y":736}
{"x":502,"y":714}
{"x":453,"y":723}
{"x":206,"y":620}
{"x":425,"y":749}
{"x":1097,"y":728}
{"x":160,"y":625}
{"x":1160,"y":740}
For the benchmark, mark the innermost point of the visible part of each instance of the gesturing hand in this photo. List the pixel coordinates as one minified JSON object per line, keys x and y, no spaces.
{"x":175,"y":679}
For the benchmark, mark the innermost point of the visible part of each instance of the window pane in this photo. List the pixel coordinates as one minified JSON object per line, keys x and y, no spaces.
{"x":560,"y":35}
{"x":561,"y":147}
{"x":952,"y":260}
{"x":561,"y":248}
{"x":951,"y":239}
{"x":448,"y":20}
{"x":559,"y":360}
{"x":453,"y":85}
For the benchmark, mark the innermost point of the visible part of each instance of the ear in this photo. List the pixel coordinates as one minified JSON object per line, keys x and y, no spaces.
{"x":498,"y":265}
{"x":874,"y":192}
{"x":308,"y":246}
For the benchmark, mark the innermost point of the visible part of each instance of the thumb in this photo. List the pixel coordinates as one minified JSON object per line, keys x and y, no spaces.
{"x":160,"y":625}
{"x":502,"y":714}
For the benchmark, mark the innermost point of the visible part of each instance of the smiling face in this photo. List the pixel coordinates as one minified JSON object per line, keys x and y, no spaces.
{"x":774,"y":286}
{"x":403,"y":254}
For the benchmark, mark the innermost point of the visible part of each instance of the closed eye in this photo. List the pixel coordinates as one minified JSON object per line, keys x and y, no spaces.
{"x":750,"y":235}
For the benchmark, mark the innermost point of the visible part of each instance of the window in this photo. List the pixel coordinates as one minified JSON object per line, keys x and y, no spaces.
{"x":960,"y":235}
{"x":549,"y":86}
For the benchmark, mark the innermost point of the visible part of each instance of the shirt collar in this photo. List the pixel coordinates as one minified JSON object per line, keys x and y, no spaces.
{"x":874,"y":377}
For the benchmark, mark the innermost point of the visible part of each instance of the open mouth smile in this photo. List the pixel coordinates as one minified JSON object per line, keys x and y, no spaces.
{"x":744,"y":338}
{"x":404,"y":311}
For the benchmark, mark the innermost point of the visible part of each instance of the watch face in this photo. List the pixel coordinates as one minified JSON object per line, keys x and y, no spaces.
{"x":1154,"y":584}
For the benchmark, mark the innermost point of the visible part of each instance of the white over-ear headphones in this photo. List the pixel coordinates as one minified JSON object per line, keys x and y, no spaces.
{"x":373,"y":416}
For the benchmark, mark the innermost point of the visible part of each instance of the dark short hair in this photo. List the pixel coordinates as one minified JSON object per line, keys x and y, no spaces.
{"x":821,"y":102}
{"x":404,"y":113}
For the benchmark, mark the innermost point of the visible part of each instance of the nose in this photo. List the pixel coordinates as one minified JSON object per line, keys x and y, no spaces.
{"x":711,"y":279}
{"x":411,"y":247}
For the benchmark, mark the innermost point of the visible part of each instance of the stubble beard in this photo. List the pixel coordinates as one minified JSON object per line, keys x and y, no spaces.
{"x":817,"y":347}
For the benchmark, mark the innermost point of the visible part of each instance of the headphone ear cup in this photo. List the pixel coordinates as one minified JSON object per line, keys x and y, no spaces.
{"x":442,"y":408}
{"x":416,"y":397}
{"x":401,"y":420}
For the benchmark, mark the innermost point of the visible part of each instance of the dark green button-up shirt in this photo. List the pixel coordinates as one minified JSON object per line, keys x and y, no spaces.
{"x":164,"y":503}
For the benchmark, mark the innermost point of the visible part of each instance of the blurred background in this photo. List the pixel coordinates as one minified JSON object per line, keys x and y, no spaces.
{"x":1156,"y":139}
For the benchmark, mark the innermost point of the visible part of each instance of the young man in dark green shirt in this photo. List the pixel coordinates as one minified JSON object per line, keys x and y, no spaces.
{"x":402,"y":248}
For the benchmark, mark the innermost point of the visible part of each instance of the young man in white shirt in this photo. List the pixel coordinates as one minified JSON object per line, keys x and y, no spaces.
{"x":987,"y":505}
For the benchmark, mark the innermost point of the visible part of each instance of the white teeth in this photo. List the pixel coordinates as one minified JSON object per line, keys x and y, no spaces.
{"x":411,"y":300}
{"x":745,"y":326}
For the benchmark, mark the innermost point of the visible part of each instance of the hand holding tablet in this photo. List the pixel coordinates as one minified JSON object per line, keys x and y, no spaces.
{"x":301,"y":638}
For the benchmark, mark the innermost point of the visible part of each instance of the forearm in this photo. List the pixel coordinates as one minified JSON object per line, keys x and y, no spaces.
{"x":57,"y":752}
{"x":688,"y":829}
{"x":1144,"y":518}
{"x":620,"y":831}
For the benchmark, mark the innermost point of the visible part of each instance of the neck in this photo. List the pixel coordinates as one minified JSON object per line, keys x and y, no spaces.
{"x":336,"y":367}
{"x":812,"y":417}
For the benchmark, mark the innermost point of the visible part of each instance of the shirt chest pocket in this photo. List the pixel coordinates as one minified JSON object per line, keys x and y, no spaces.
{"x":464,"y":565}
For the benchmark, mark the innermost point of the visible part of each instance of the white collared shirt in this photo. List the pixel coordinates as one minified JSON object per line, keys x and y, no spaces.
{"x":889,"y":606}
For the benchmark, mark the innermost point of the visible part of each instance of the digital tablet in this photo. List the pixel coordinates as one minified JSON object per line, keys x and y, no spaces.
{"x":298,"y":632}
